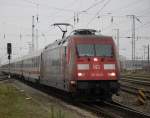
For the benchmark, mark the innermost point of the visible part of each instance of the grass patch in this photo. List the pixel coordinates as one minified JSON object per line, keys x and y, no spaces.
{"x":13,"y":104}
{"x":56,"y":113}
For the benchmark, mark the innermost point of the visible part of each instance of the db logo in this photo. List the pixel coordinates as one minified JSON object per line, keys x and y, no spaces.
{"x":96,"y":66}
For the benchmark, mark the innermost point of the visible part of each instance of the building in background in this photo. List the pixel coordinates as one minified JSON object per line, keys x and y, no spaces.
{"x":133,"y":64}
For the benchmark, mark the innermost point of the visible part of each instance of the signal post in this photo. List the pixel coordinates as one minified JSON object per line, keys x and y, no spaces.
{"x":9,"y":52}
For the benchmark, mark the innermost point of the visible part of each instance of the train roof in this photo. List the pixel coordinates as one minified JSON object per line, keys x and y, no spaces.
{"x":83,"y":32}
{"x":91,"y":36}
{"x":32,"y":54}
{"x":78,"y":33}
{"x":87,"y":33}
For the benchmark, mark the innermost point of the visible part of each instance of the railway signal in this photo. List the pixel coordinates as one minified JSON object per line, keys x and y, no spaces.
{"x":9,"y":57}
{"x":9,"y":52}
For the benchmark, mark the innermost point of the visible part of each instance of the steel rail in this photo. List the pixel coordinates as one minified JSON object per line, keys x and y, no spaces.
{"x":125,"y":111}
{"x":134,"y":90}
{"x":113,"y":110}
{"x":99,"y":111}
{"x":137,"y":77}
{"x":142,"y":82}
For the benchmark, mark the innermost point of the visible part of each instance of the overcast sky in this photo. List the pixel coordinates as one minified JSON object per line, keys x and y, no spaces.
{"x":104,"y":15}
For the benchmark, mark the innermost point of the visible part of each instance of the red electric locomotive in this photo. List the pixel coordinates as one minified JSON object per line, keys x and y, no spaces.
{"x":83,"y":64}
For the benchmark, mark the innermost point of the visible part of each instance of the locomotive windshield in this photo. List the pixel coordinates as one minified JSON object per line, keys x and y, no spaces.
{"x":85,"y":50}
{"x":103,"y":50}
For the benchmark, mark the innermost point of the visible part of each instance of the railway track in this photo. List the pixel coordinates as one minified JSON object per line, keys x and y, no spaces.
{"x":3,"y":77}
{"x":134,"y":90}
{"x":139,"y":77}
{"x":114,"y":110}
{"x":136,"y":80}
{"x":136,"y":75}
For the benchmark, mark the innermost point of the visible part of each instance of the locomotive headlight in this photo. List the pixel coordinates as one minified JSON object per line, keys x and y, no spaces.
{"x":72,"y":82}
{"x":95,"y":59}
{"x":112,"y":74}
{"x":80,"y":74}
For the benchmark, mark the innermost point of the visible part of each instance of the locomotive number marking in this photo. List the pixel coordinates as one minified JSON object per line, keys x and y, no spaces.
{"x":97,"y":67}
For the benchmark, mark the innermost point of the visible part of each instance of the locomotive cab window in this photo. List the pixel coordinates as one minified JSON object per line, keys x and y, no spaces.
{"x":102,"y":50}
{"x":105,"y":50}
{"x":85,"y":50}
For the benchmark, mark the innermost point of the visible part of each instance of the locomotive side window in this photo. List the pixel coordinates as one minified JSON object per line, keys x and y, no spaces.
{"x":103,"y":50}
{"x":72,"y":56}
{"x":68,"y":55}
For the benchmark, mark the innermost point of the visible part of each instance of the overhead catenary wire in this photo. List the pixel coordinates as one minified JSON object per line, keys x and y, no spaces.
{"x":126,"y":6}
{"x":107,"y":2}
{"x":92,"y":6}
{"x":117,"y":16}
{"x":124,"y":17}
{"x":50,"y":7}
{"x":56,"y":13}
{"x":137,"y":28}
{"x":87,"y":9}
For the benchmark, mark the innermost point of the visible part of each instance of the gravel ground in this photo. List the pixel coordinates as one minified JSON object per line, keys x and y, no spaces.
{"x":132,"y":101}
{"x":47,"y":101}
